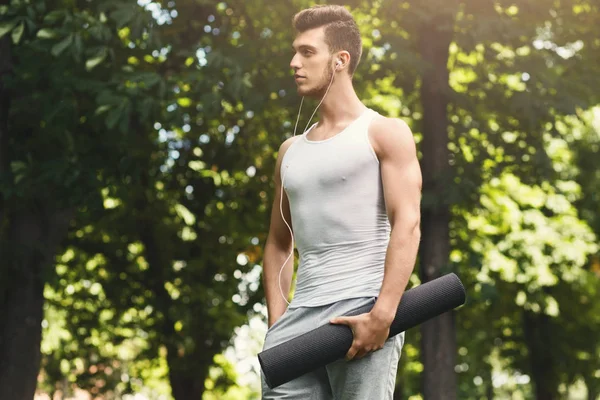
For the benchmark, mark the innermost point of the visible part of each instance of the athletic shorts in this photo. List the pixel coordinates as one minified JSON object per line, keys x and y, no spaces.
{"x":372,"y":377}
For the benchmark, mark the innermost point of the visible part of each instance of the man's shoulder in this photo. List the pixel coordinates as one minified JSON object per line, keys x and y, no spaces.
{"x":287,"y":143}
{"x":387,"y":131}
{"x":385,"y":126}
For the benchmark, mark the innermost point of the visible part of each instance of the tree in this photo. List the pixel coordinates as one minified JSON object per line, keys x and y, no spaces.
{"x":173,"y":200}
{"x":49,"y":168}
{"x":496,"y":120}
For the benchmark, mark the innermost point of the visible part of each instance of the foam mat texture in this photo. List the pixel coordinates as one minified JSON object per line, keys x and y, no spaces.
{"x":330,"y":342}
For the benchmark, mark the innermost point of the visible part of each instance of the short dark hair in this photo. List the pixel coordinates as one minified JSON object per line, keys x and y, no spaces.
{"x":341,"y":31}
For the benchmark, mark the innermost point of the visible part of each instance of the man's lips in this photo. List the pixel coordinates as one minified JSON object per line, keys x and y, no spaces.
{"x":299,"y":77}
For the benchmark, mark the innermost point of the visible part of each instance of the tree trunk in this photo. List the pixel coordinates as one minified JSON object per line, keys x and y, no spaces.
{"x":21,"y":334}
{"x":185,"y":384}
{"x":188,"y":365}
{"x":398,"y":392}
{"x":28,"y":241}
{"x":186,"y":379}
{"x":543,"y":373}
{"x":438,"y":345}
{"x":6,"y":68}
{"x":490,"y":388}
{"x":35,"y":237}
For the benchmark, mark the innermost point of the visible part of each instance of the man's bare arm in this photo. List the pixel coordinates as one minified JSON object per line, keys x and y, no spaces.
{"x":394,"y":145}
{"x":278,"y":247}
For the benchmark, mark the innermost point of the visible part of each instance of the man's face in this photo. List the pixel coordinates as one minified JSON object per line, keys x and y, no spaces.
{"x":312,"y":63}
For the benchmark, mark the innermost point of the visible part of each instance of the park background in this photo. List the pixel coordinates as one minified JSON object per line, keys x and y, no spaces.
{"x":137,"y":148}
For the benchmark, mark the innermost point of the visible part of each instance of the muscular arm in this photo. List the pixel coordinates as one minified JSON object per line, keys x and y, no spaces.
{"x":394,"y":145}
{"x":278,"y":247}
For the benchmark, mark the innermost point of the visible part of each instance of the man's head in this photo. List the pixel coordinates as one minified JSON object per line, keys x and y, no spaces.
{"x":327,"y":40}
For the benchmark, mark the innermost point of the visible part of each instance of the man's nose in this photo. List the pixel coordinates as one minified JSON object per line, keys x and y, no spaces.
{"x":295,"y":63}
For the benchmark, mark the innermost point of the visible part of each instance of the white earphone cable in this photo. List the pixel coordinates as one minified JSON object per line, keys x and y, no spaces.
{"x":283,"y":178}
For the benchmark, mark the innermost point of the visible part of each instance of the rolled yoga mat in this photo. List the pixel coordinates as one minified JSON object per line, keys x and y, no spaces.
{"x":330,"y":342}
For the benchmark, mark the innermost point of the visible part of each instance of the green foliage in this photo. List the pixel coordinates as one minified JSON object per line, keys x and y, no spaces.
{"x":534,"y":251}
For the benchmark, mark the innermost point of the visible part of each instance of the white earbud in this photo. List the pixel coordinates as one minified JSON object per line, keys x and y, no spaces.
{"x":338,"y":64}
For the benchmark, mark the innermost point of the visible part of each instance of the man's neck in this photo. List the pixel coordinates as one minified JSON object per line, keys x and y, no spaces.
{"x":341,"y":104}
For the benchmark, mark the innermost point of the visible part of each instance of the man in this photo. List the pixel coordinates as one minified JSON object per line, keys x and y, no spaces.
{"x":348,"y":191}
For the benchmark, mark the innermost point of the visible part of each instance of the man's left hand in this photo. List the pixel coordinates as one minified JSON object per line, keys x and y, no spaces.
{"x":370,"y":333}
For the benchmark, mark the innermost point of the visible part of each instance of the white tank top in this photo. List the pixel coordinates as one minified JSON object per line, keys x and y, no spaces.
{"x":339,"y":218}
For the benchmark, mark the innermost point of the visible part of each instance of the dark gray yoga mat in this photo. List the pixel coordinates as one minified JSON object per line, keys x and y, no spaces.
{"x":330,"y":342}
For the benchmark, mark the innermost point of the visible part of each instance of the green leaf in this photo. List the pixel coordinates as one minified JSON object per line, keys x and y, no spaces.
{"x":150,"y":79}
{"x":18,"y":166}
{"x":107,"y":97}
{"x":46,"y":33}
{"x":6,"y":27}
{"x":61,"y":46}
{"x":31,"y":12}
{"x":113,"y":118}
{"x":19,"y":170}
{"x":124,"y":120}
{"x":93,"y":62}
{"x":123,"y":15}
{"x":31,"y":26}
{"x":102,"y":109}
{"x":54,"y":16}
{"x":96,"y":32}
{"x":78,"y":47}
{"x":146,"y":107}
{"x":17,"y":33}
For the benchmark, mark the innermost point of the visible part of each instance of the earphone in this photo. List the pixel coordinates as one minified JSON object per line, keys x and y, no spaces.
{"x":337,"y":64}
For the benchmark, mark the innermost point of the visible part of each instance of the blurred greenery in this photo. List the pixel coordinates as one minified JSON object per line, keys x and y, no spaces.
{"x":137,"y":148}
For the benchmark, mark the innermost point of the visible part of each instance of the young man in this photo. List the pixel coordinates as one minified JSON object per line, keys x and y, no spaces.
{"x":348,"y":191}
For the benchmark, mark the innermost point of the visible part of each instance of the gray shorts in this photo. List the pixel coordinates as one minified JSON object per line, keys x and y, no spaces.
{"x":371,"y":377}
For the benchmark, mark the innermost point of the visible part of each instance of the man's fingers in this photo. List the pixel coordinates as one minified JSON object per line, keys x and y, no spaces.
{"x":341,"y":320}
{"x":364,"y":352}
{"x":357,"y":352}
{"x":352,"y":352}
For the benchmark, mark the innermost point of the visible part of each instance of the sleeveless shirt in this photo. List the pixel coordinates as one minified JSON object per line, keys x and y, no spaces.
{"x":338,"y":212}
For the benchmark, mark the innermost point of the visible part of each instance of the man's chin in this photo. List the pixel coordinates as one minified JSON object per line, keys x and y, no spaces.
{"x":302,"y":91}
{"x":307,"y":92}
